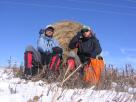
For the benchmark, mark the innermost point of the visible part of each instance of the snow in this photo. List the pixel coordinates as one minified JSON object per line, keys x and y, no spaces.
{"x":18,"y":90}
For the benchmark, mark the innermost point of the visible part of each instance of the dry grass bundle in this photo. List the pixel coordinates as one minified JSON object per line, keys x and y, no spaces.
{"x":64,"y":32}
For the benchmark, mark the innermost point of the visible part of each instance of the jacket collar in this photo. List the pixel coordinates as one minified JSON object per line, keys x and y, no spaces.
{"x":46,"y":37}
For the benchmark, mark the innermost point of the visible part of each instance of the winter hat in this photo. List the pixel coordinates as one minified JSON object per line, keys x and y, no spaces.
{"x":85,"y":29}
{"x":49,"y":27}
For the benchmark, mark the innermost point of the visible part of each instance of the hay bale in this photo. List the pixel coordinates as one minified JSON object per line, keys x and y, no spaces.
{"x":64,"y":32}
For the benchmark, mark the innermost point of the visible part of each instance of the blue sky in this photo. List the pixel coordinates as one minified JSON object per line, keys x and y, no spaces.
{"x":113,"y":21}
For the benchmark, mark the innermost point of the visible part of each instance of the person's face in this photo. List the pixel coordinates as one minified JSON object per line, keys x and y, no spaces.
{"x":49,"y":32}
{"x":87,"y":34}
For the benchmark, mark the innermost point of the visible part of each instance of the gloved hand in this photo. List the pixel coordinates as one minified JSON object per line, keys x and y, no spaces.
{"x":57,"y":50}
{"x":41,"y":31}
{"x":78,"y":39}
{"x":99,"y":57}
{"x":79,"y":35}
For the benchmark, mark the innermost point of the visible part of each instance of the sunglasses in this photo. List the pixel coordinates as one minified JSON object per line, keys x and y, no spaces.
{"x":51,"y":30}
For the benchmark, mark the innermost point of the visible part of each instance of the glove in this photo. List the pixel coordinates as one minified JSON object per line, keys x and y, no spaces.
{"x":41,"y":31}
{"x":78,"y":39}
{"x":79,"y":35}
{"x":57,"y":50}
{"x":99,"y":57}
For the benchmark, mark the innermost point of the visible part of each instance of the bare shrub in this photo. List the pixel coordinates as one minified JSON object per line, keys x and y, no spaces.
{"x":12,"y":89}
{"x":119,"y":80}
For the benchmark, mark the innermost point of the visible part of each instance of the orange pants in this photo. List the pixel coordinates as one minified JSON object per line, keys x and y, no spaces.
{"x":92,"y":71}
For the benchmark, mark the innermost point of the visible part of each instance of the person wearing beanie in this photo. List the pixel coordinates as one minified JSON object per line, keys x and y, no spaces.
{"x":88,"y":48}
{"x":47,"y":47}
{"x":86,"y":42}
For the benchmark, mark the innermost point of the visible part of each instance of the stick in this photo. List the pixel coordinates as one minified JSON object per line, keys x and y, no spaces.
{"x":66,"y":73}
{"x":71,"y":75}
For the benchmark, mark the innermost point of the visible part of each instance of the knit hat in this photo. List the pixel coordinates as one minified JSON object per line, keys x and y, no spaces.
{"x":85,"y":29}
{"x":49,"y":27}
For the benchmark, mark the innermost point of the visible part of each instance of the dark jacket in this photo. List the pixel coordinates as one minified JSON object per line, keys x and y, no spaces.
{"x":87,"y":47}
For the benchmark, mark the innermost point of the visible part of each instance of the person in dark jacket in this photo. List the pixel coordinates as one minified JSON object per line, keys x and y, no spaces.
{"x":87,"y":44}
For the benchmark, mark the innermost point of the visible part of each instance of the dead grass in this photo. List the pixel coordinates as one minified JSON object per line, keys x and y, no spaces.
{"x":64,"y":32}
{"x":112,"y":79}
{"x":120,"y":80}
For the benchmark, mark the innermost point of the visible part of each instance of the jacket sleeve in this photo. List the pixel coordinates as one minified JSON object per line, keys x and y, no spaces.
{"x":56,"y":43}
{"x":97,"y":48}
{"x":57,"y":49}
{"x":40,"y":45}
{"x":74,"y":41}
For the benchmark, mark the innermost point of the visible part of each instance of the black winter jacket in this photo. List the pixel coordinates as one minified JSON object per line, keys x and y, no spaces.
{"x":87,"y":47}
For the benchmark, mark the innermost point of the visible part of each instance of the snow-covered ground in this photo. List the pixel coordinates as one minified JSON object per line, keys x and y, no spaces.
{"x":19,"y":90}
